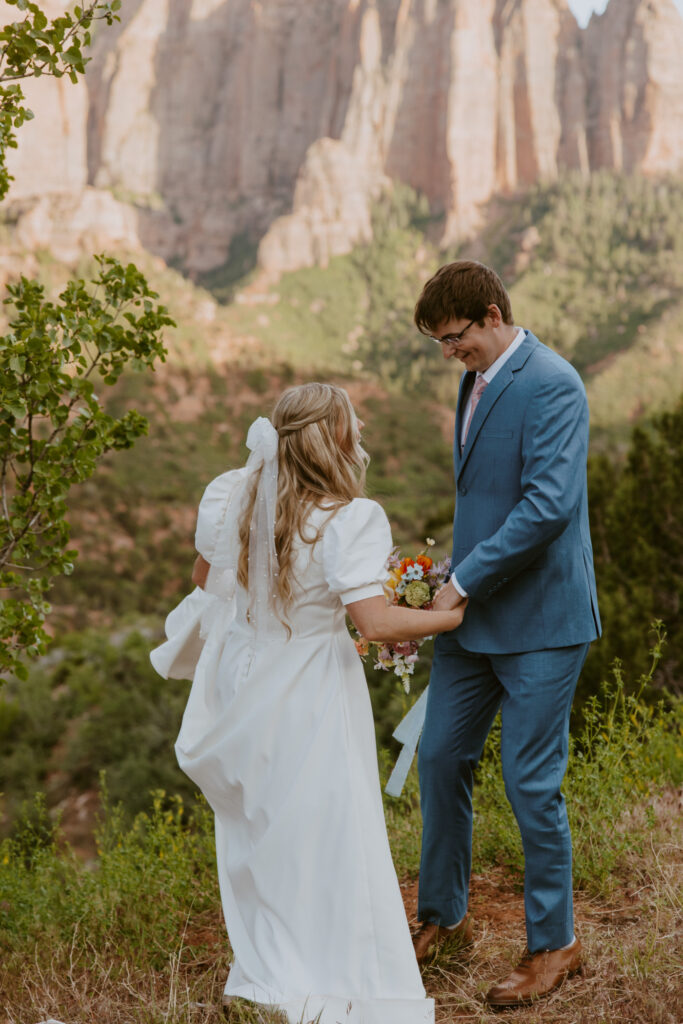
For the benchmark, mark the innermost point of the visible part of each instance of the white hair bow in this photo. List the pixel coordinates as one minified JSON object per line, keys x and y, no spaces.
{"x":262,"y":440}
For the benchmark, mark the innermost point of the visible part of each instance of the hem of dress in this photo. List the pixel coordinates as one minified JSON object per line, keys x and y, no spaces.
{"x":315,"y":1009}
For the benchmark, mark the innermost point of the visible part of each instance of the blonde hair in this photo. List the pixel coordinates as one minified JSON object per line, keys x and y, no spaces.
{"x":320,"y":464}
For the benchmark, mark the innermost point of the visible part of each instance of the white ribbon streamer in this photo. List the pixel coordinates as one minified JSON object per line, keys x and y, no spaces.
{"x":262,"y":440}
{"x":202,"y":619}
{"x":408,"y":733}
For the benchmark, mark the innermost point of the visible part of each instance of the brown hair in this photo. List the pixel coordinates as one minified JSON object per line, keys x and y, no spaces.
{"x":320,"y":463}
{"x":463,"y":290}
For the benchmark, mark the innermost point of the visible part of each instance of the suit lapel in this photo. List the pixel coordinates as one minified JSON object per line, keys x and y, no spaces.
{"x":466,"y":384}
{"x":491,"y":394}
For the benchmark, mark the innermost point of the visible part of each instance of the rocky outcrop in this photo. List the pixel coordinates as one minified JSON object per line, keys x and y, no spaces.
{"x":281,"y":120}
{"x":634,"y":75}
{"x":69,"y":224}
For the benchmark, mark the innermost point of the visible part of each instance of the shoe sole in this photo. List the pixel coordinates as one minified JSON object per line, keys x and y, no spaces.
{"x":530,"y":1000}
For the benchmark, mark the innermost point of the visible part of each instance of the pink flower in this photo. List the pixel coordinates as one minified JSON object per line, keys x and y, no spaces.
{"x":405,"y":648}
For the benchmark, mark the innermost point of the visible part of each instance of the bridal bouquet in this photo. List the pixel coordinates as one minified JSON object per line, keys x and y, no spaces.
{"x":412,"y":583}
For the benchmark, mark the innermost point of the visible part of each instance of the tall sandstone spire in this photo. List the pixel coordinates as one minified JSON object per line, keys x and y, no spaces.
{"x":634,"y":76}
{"x":283,"y":119}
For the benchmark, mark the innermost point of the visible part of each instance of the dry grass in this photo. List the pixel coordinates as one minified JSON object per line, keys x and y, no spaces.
{"x":633,"y":971}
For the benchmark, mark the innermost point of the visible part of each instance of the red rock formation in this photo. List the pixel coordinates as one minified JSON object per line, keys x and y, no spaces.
{"x":634,"y":75}
{"x":283,"y":119}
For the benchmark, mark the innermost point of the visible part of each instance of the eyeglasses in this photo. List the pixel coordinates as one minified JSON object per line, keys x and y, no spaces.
{"x":454,"y":339}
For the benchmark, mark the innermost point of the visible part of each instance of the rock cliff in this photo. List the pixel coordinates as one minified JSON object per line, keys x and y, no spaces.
{"x":280,"y":120}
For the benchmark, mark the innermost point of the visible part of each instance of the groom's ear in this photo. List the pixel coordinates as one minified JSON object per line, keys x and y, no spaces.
{"x":494,"y":315}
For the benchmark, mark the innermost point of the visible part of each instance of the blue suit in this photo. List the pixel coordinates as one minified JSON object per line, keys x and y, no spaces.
{"x":522,"y":551}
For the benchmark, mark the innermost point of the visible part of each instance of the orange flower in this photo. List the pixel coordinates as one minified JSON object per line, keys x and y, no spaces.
{"x":425,"y":562}
{"x":406,"y":564}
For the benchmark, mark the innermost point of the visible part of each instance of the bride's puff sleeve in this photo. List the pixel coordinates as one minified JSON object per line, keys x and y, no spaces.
{"x":212,"y":510}
{"x":356,"y":545}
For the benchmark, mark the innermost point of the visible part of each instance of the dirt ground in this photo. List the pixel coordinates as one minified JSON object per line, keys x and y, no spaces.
{"x":633,"y":953}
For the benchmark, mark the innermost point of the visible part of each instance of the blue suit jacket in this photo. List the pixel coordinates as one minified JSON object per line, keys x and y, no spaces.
{"x":521,"y":541}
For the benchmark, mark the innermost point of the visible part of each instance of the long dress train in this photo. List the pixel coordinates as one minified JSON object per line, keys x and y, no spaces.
{"x":279,"y":736}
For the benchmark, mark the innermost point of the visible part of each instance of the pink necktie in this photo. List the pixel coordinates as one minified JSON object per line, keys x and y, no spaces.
{"x":477,"y":391}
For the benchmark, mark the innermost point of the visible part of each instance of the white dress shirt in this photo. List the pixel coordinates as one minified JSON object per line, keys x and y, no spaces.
{"x":488,"y":376}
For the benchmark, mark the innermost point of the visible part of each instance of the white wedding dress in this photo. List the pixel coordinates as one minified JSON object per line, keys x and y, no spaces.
{"x":279,"y":737}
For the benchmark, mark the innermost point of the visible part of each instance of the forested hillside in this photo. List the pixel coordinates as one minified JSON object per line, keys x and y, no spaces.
{"x":594,"y":268}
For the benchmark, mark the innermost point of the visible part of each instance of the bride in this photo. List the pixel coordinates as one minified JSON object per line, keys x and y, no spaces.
{"x":278,"y":730}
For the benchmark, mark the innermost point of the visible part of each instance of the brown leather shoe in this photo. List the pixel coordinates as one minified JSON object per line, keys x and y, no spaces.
{"x":430,"y":937}
{"x":536,"y":975}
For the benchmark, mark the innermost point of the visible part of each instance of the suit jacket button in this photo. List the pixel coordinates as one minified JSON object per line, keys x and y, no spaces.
{"x":463,"y":489}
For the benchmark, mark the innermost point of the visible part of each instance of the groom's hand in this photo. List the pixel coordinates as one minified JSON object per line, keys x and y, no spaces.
{"x":447,"y":598}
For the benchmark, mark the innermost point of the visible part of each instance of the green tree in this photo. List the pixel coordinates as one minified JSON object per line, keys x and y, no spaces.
{"x":637,"y":531}
{"x":36,"y":46}
{"x":52,"y":427}
{"x":390,"y":346}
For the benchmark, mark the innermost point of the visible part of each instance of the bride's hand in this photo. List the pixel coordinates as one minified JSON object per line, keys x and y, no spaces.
{"x":447,"y":597}
{"x":458,"y":613}
{"x":200,"y":571}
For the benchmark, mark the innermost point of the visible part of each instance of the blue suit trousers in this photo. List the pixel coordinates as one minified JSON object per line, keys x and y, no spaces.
{"x":534,"y":691}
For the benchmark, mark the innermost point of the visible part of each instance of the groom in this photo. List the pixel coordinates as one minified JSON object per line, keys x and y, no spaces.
{"x":522,"y":556}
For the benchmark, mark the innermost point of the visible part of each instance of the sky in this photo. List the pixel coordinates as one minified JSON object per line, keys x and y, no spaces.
{"x":584,"y":8}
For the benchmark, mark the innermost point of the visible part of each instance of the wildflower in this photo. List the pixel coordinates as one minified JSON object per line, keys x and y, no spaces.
{"x":405,"y":647}
{"x":394,"y":578}
{"x":417,"y":594}
{"x":430,"y":542}
{"x":362,"y":646}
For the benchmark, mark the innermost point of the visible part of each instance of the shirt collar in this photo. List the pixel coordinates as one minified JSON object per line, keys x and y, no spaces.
{"x":493,"y":369}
